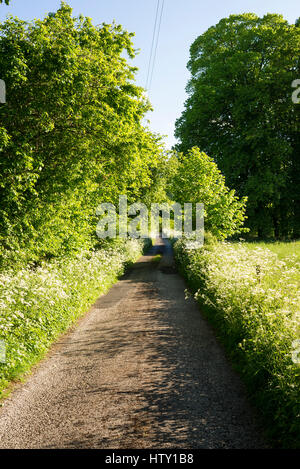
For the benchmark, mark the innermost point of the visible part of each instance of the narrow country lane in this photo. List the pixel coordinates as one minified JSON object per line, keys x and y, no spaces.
{"x":141,"y":370}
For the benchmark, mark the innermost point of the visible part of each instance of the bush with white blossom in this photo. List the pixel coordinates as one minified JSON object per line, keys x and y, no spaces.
{"x":252,"y":298}
{"x":36,"y":305}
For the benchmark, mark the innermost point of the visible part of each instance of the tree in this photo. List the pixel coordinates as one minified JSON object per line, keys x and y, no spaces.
{"x":6,"y":1}
{"x":70,"y":132}
{"x":198,"y":180}
{"x":240,"y":111}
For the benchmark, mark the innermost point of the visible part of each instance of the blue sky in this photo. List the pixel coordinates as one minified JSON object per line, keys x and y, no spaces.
{"x":182,"y":22}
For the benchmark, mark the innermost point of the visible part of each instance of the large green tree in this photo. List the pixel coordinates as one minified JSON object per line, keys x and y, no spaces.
{"x":240,"y":112}
{"x":70,"y":132}
{"x":197,"y":179}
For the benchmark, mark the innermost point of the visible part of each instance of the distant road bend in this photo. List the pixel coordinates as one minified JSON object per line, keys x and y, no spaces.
{"x":142,"y":369}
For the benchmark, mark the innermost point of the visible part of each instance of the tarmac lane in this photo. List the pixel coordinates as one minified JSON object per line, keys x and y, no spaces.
{"x":142,"y":369}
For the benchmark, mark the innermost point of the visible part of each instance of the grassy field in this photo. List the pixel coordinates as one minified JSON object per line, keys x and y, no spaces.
{"x":250,"y":293}
{"x":283,"y":250}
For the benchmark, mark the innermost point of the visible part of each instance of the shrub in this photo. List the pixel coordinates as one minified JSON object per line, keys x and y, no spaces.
{"x":198,"y":180}
{"x":38,"y":305}
{"x":252,"y":298}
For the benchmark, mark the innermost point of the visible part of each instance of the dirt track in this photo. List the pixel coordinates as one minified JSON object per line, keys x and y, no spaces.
{"x":141,"y":370}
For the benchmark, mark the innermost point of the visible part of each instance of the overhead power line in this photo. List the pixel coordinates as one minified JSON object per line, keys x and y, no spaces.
{"x":152,"y":45}
{"x":156,"y":46}
{"x":155,"y":41}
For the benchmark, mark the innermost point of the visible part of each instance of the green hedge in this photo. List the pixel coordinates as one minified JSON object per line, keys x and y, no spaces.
{"x":38,"y":305}
{"x":252,"y":299}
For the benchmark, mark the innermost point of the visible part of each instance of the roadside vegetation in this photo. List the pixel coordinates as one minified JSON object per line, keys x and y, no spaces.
{"x":71,"y":134}
{"x":71,"y":137}
{"x":38,"y":305}
{"x":251,"y":296}
{"x":240,"y":111}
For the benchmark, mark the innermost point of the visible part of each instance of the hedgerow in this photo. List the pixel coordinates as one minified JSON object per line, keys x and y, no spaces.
{"x":252,"y":298}
{"x":38,"y":305}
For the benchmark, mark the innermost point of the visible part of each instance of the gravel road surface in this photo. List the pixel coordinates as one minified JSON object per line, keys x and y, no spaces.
{"x":142,"y":369}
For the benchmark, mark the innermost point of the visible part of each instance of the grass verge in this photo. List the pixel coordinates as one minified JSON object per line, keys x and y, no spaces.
{"x":39,"y":305}
{"x":251,"y":296}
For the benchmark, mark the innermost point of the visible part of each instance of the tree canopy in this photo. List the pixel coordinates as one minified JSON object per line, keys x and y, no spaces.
{"x":240,"y":112}
{"x":71,"y":132}
{"x":198,"y":179}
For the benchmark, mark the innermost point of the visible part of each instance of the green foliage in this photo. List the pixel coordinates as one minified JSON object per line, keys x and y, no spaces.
{"x":6,"y":1}
{"x":252,"y":298}
{"x":240,"y":111}
{"x":38,"y":305}
{"x":198,"y":179}
{"x":70,"y":133}
{"x":161,"y":180}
